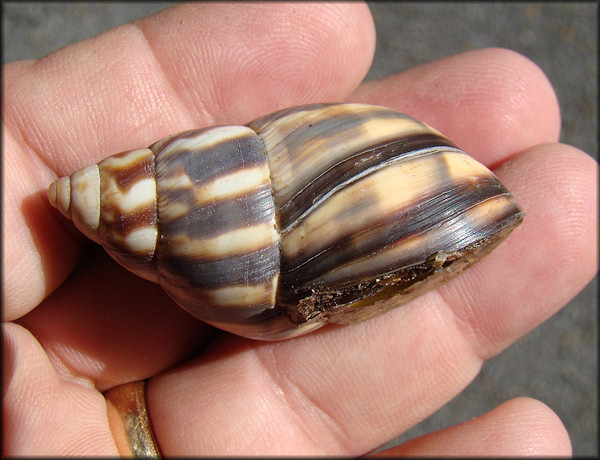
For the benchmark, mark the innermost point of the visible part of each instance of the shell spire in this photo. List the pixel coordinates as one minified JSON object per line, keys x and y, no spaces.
{"x":77,"y":197}
{"x":114,"y":204}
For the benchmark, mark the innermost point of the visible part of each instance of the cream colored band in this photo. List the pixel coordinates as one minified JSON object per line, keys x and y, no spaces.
{"x":129,"y":421}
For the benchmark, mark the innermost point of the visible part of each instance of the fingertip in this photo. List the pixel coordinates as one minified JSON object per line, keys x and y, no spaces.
{"x":519,"y":97}
{"x":521,"y":426}
{"x":535,"y":425}
{"x":491,"y":102}
{"x":556,"y":184}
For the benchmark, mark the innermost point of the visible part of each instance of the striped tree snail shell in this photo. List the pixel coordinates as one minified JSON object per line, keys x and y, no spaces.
{"x":313,"y":214}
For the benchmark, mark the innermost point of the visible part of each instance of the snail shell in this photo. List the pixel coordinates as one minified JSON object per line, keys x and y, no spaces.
{"x":313,"y":214}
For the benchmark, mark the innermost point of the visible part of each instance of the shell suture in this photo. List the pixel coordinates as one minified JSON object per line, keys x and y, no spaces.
{"x":314,"y":214}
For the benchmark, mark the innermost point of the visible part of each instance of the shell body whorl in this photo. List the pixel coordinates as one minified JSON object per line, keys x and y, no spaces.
{"x":311,"y":214}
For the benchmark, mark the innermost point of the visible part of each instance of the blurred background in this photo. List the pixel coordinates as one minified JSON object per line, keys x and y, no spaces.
{"x":556,"y":363}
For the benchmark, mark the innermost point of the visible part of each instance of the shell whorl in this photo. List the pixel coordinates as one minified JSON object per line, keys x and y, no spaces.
{"x":311,"y":214}
{"x":114,"y":204}
{"x":219,"y":249}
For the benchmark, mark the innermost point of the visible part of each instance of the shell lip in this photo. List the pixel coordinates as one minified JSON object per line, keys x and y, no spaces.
{"x":356,"y":301}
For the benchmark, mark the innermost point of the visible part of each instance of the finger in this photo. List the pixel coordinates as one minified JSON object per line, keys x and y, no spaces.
{"x":112,"y":327}
{"x":176,"y":70}
{"x":43,"y":413}
{"x":554,"y":251}
{"x":492,"y":102}
{"x":348,"y":390}
{"x":519,"y":427}
{"x":137,"y":83}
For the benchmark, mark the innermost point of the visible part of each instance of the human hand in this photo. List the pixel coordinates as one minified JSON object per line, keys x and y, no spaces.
{"x":339,"y":390}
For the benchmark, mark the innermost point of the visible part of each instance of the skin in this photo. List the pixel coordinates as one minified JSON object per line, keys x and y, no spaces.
{"x":76,"y":324}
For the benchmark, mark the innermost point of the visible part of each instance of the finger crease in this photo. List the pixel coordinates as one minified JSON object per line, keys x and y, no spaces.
{"x":466,"y":328}
{"x":207,"y":116}
{"x":309,"y":416}
{"x":36,"y":159}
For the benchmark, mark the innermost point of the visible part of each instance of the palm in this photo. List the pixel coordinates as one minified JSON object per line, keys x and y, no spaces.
{"x":341,"y":390}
